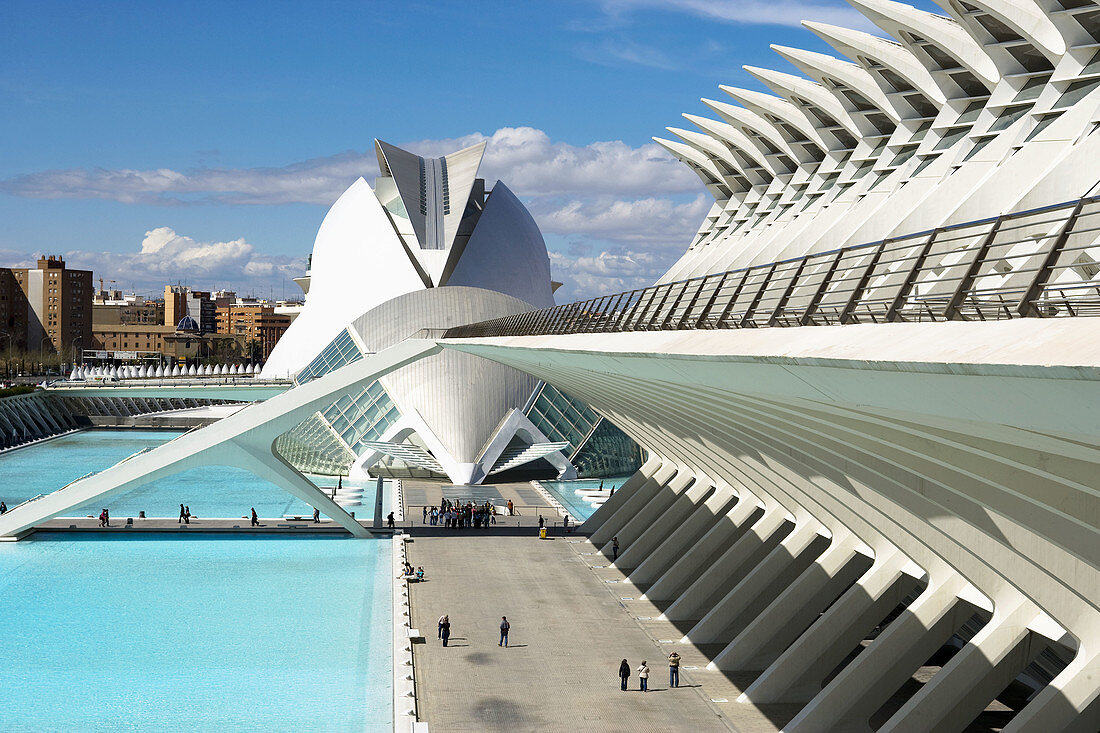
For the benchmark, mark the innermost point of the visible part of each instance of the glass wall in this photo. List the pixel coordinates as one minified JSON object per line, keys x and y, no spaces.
{"x":596,"y":446}
{"x":341,"y":351}
{"x":366,"y":416}
{"x":312,"y":447}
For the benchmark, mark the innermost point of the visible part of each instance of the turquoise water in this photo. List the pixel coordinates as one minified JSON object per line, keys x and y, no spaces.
{"x":565,"y":492}
{"x":211,"y":491}
{"x":201,"y":633}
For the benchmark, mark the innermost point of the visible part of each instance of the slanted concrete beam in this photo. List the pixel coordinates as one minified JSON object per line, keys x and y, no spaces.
{"x":224,"y":442}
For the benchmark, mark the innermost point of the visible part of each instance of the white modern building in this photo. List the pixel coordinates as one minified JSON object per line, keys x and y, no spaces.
{"x":938,"y":120}
{"x":429,"y":247}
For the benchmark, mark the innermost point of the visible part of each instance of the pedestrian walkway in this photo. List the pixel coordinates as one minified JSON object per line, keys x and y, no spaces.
{"x":568,"y":635}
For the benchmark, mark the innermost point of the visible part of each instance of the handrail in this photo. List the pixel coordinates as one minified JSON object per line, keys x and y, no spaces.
{"x":172,"y":382}
{"x":1027,"y":264}
{"x":28,"y":501}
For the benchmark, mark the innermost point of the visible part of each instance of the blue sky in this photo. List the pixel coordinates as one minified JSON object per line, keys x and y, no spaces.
{"x":203,"y":141}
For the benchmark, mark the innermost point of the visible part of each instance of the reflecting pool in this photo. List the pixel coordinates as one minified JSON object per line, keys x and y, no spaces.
{"x":210,"y":492}
{"x":205,"y":632}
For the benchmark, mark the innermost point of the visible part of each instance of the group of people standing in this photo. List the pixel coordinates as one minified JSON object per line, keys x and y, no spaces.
{"x":453,"y":514}
{"x":643,"y":673}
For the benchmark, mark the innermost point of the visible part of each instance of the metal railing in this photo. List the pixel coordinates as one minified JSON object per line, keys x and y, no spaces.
{"x":1040,"y":263}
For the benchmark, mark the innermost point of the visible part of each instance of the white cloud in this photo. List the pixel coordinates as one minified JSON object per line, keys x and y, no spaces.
{"x":618,"y":207}
{"x":750,"y":12}
{"x":525,"y":157}
{"x":657,"y":223}
{"x":607,"y":272}
{"x":166,"y":257}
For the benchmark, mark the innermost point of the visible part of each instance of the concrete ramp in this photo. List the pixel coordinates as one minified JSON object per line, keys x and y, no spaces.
{"x":244,"y":439}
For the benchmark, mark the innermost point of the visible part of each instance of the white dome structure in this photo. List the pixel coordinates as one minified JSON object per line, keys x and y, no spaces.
{"x":426,"y":247}
{"x":160,"y":371}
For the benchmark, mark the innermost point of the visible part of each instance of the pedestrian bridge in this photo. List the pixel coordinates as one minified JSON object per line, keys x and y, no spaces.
{"x":237,"y":389}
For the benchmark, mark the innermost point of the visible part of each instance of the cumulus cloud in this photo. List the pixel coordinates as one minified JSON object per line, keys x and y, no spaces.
{"x":165,"y":257}
{"x":657,"y":223}
{"x":610,"y":271}
{"x":316,"y":181}
{"x":616,"y":206}
{"x":525,"y":157}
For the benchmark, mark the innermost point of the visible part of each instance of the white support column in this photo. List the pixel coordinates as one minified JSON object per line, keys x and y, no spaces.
{"x":974,"y":676}
{"x":633,"y":504}
{"x":651,"y":513}
{"x":278,"y":471}
{"x":732,"y":566}
{"x":1071,"y":702}
{"x":615,"y":502}
{"x":702,"y":519}
{"x":693,"y":563}
{"x":797,"y":674}
{"x":849,"y":700}
{"x":660,"y":527}
{"x":796,"y":608}
{"x":760,"y":585}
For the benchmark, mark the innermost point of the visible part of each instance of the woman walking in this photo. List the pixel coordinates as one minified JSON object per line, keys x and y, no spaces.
{"x":624,"y":674}
{"x":446,"y":629}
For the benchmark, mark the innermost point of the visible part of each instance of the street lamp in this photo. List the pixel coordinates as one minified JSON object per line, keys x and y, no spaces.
{"x":73,"y":350}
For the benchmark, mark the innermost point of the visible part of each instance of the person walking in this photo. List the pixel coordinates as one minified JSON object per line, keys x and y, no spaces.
{"x":542,"y":522}
{"x":511,"y":509}
{"x":624,"y":674}
{"x":441,"y":620}
{"x":424,"y":514}
{"x":316,"y":515}
{"x":504,"y":626}
{"x":255,"y":519}
{"x":674,"y":670}
{"x":187,"y":515}
{"x":181,"y":515}
{"x":389,"y":520}
{"x":643,"y":676}
{"x":446,"y":629}
{"x":614,"y":549}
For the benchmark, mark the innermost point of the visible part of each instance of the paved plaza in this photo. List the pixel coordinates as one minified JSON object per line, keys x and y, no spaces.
{"x":567,"y":639}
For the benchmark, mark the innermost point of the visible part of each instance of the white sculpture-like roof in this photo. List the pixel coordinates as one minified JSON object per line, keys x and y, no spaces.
{"x":426,"y":223}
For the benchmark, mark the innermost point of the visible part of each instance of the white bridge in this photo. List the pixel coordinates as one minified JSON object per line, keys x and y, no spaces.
{"x":244,"y":439}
